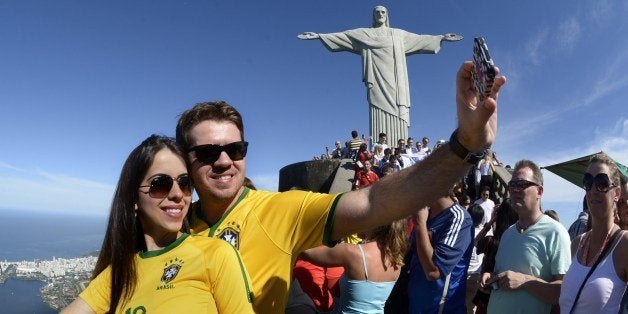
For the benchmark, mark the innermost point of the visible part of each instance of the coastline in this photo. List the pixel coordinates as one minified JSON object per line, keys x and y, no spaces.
{"x":63,"y":279}
{"x":23,"y":296}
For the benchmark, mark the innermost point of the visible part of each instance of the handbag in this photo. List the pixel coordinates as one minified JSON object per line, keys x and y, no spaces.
{"x":599,"y":259}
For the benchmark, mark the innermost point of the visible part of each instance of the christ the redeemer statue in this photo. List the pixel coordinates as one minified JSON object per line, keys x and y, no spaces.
{"x":384,"y":70}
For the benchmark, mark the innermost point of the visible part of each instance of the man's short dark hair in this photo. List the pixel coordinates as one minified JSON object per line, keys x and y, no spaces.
{"x":354,"y":133}
{"x":213,"y":110}
{"x":477,"y":214}
{"x":464,"y":199}
{"x":382,"y":134}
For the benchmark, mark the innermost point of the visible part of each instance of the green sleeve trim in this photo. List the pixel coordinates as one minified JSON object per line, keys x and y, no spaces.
{"x":249,"y":294}
{"x":213,"y":228}
{"x":329,"y":224}
{"x":170,"y":247}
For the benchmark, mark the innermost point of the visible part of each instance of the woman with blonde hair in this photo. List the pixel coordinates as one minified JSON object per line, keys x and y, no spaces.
{"x":378,"y":154}
{"x":596,"y":279}
{"x":371,"y":268}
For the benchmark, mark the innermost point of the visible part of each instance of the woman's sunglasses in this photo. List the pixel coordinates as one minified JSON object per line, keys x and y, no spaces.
{"x":601,"y":180}
{"x":520,"y":185}
{"x":161,"y":185}
{"x":209,"y":153}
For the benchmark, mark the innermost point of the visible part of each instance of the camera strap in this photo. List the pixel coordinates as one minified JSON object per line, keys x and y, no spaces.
{"x":597,"y":262}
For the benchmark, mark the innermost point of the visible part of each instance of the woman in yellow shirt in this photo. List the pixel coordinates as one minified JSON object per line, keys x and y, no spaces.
{"x":148,"y":264}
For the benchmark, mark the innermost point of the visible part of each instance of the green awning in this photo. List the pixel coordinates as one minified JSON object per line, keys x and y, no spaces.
{"x":573,"y":170}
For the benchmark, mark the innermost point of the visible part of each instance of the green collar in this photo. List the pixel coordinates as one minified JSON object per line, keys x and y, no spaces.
{"x":170,"y":247}
{"x":212,"y":228}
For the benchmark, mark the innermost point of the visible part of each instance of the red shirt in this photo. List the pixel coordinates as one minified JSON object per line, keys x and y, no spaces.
{"x":367,"y":178}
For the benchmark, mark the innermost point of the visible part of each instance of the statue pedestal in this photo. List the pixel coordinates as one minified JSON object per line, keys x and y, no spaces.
{"x":324,"y":176}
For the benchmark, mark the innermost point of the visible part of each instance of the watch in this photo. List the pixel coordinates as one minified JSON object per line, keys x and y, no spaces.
{"x":463,"y":152}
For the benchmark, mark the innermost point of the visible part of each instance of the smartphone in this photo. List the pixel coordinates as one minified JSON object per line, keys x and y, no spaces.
{"x":484,"y":73}
{"x":494,"y":286}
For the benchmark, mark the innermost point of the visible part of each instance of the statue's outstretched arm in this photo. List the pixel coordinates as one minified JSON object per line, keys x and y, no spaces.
{"x":308,"y":35}
{"x":452,"y":37}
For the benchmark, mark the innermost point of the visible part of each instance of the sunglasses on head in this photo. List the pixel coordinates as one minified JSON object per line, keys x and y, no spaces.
{"x":601,"y":180}
{"x":520,"y":185}
{"x":161,"y":185}
{"x":209,"y":153}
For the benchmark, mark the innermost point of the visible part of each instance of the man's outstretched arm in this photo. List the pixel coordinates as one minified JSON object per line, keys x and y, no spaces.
{"x":406,"y":191}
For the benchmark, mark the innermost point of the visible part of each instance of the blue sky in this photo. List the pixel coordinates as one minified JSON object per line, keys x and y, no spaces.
{"x":83,"y":82}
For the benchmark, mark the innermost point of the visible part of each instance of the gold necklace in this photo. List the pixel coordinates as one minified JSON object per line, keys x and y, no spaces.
{"x":523,"y":229}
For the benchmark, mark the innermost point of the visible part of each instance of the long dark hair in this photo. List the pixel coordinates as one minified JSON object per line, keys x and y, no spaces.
{"x":505,"y":217}
{"x":124,"y":236}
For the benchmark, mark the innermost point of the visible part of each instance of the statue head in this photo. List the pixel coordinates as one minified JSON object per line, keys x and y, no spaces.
{"x":380,"y":16}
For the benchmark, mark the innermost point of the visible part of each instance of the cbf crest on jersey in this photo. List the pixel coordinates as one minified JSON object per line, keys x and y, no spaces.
{"x":171,"y":270}
{"x":231,"y":234}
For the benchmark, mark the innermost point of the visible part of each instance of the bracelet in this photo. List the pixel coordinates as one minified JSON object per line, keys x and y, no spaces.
{"x":463,"y":152}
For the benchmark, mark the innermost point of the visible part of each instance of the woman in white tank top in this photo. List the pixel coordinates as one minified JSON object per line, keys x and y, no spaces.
{"x":604,"y":289}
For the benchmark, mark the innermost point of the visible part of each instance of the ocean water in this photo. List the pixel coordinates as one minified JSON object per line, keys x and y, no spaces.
{"x":22,"y":297}
{"x":36,"y":235}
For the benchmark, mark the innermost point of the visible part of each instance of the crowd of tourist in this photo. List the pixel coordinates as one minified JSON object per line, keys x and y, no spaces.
{"x":509,"y":256}
{"x":374,"y":160}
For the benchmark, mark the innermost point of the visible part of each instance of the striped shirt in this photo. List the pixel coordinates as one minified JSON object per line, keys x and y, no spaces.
{"x":452,"y":240}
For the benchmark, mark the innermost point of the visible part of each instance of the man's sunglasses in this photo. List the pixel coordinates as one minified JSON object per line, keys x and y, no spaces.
{"x":601,"y":180}
{"x":161,"y":185}
{"x":209,"y":153}
{"x":520,"y":185}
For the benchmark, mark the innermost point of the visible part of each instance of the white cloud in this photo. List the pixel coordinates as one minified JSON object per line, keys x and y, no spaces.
{"x":5,"y":166}
{"x":268,"y":182}
{"x":565,"y":197}
{"x":568,"y":33}
{"x":24,"y":189}
{"x":560,"y":190}
{"x":613,"y":141}
{"x":38,"y":190}
{"x":533,"y":46}
{"x":612,"y":80}
{"x":600,"y":11}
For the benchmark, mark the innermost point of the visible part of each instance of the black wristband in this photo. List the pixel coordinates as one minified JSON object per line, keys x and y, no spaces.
{"x":462,"y":151}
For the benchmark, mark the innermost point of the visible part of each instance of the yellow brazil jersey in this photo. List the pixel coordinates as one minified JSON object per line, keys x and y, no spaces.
{"x":270,"y":230}
{"x":191,"y":275}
